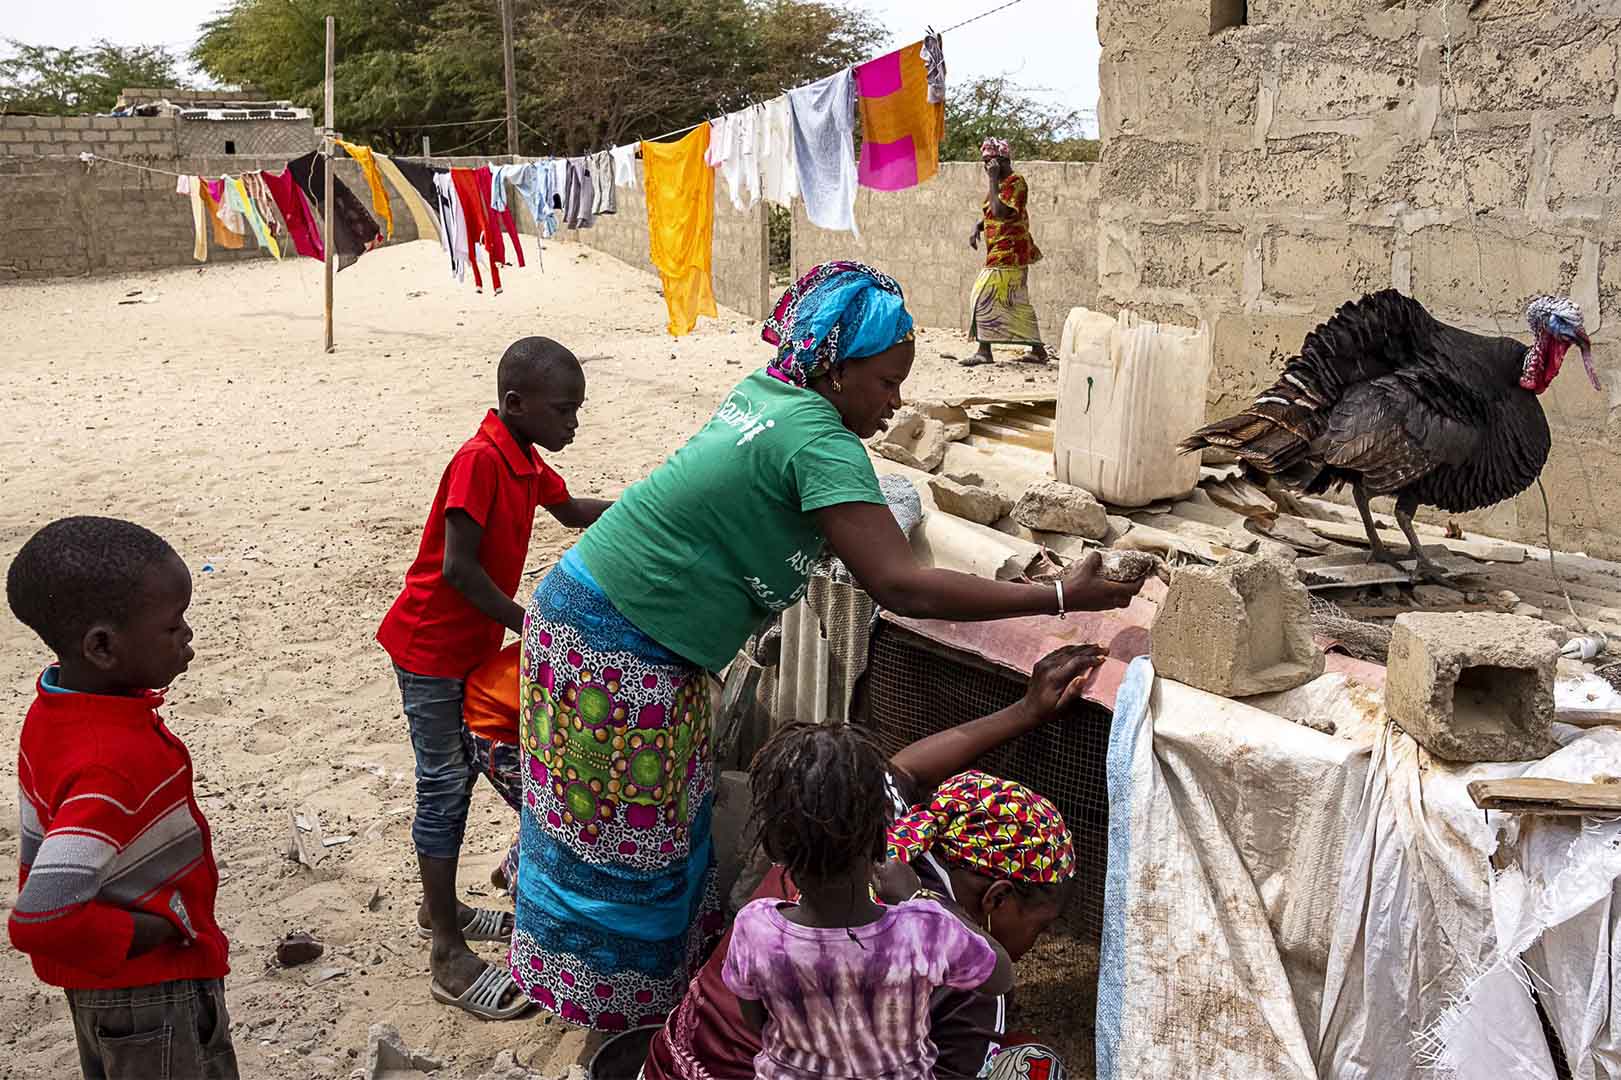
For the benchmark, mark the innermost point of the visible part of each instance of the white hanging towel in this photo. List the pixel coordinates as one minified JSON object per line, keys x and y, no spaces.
{"x":825,"y":151}
{"x":720,"y":142}
{"x":624,"y":159}
{"x":742,"y":168}
{"x":774,"y":136}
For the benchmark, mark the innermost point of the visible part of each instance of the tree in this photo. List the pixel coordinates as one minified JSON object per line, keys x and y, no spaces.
{"x":61,"y":82}
{"x":1038,"y":131}
{"x":590,"y":74}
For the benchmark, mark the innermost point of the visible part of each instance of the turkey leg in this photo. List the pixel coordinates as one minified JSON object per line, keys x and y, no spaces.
{"x":1424,"y":568}
{"x":1377,"y":552}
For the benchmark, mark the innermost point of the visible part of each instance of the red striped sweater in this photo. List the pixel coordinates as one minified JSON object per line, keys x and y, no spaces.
{"x":110,"y":826}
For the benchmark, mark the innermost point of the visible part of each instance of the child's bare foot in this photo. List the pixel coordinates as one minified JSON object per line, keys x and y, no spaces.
{"x":498,"y":878}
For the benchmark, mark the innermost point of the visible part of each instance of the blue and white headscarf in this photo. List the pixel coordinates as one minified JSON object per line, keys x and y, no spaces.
{"x":838,"y":311}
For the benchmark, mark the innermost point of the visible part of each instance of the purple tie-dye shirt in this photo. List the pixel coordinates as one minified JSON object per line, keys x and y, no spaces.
{"x":842,"y":1008}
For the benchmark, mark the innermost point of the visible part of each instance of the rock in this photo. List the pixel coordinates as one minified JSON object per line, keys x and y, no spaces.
{"x":954,"y":417}
{"x":1438,"y":596}
{"x":977,"y":504}
{"x":386,"y":1052}
{"x":1053,"y":507}
{"x":1473,"y":686}
{"x":506,"y":1067}
{"x":1124,"y":566}
{"x":1239,"y":628}
{"x":295,"y":949}
{"x":914,"y":440}
{"x":964,"y":476}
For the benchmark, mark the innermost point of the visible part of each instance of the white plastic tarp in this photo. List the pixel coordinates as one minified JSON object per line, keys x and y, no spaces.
{"x":1287,"y":903}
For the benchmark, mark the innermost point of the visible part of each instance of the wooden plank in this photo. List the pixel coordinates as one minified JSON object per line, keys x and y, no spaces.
{"x":1531,"y":795}
{"x":1485,"y":550}
{"x":1587,"y":718}
{"x":1353,"y":571}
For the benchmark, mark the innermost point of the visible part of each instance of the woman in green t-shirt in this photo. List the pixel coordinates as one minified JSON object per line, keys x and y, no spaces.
{"x":615,"y":896}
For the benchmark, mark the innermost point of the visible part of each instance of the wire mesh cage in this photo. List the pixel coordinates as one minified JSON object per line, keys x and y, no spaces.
{"x":916,"y":687}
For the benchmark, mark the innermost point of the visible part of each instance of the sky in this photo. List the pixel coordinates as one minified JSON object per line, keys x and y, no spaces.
{"x":1047,"y":47}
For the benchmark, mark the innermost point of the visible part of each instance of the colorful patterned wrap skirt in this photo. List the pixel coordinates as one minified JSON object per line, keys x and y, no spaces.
{"x":1003,"y":313}
{"x":616,"y":899}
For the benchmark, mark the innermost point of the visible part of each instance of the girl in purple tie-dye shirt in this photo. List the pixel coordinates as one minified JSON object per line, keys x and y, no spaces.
{"x":840,"y":985}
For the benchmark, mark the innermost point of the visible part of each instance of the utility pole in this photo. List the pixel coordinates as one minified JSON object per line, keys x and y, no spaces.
{"x":512,"y":86}
{"x":326,"y":217}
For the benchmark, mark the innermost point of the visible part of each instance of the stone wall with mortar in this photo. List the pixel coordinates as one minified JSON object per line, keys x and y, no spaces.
{"x":920,"y":237}
{"x":741,"y":261}
{"x":60,"y":217}
{"x":1261,"y":176}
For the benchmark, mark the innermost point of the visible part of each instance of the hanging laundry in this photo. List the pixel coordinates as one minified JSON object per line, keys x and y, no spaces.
{"x":224,"y":235}
{"x":720,"y":141}
{"x":425,"y":216}
{"x":192,"y":188}
{"x":374,"y":180}
{"x":602,"y":171}
{"x":624,"y":161}
{"x":824,"y":150}
{"x":532,"y":184}
{"x":559,"y":167}
{"x":737,"y":157}
{"x":478,"y":227}
{"x":354,"y":232}
{"x":236,"y":197}
{"x":499,"y":218}
{"x":297,"y":211}
{"x":774,"y":135}
{"x":681,"y":225}
{"x":579,"y":195}
{"x":453,"y":226}
{"x":265,"y":206}
{"x":900,"y":130}
{"x":934,"y":62}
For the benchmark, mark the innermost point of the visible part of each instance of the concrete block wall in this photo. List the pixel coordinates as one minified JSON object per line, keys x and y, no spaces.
{"x":920,"y":237}
{"x":741,"y":259}
{"x":1260,"y":177}
{"x":136,"y":137}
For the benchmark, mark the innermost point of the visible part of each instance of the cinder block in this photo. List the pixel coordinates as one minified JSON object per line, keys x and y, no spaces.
{"x":48,"y":123}
{"x":1473,"y":687}
{"x":1239,"y":628}
{"x":104,"y":123}
{"x":94,"y":136}
{"x":16,"y":123}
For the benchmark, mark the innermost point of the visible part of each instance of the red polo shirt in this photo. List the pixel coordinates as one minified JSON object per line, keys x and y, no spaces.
{"x":432,"y":629}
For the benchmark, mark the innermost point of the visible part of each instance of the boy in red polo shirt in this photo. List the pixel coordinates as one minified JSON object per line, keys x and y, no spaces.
{"x":116,"y":898}
{"x":452,"y":615}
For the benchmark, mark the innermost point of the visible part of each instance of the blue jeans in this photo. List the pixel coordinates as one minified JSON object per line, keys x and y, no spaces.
{"x":444,"y":775}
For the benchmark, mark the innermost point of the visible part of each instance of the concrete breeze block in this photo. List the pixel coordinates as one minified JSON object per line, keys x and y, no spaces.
{"x":1474,"y":686}
{"x":1239,"y":628}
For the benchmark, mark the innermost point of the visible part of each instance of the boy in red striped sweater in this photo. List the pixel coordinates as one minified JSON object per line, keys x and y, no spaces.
{"x":116,"y":900}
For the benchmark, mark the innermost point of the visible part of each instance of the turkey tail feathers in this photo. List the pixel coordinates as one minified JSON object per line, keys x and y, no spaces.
{"x":1273,"y":435}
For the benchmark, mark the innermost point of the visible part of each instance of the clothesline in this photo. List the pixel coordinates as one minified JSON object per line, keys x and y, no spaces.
{"x":957,"y":26}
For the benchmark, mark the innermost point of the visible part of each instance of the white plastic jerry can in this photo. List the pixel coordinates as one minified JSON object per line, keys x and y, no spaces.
{"x":1128,"y":391}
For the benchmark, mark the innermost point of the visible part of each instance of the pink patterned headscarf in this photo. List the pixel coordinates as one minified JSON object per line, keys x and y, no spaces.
{"x":994,"y":147}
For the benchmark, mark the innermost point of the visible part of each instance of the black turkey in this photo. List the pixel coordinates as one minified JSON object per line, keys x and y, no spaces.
{"x":1388,"y":399}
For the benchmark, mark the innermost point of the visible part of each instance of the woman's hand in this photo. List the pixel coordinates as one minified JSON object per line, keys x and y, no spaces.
{"x":1059,"y":681}
{"x":895,"y":881}
{"x":1084,"y":590}
{"x":973,"y":237}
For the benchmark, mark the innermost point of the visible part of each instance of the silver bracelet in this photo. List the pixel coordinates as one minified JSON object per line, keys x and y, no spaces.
{"x":1060,"y":587}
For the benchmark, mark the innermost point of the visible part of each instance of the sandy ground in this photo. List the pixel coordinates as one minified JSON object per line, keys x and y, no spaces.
{"x":295,"y":484}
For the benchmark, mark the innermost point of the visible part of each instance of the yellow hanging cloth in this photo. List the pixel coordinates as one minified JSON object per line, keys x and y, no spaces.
{"x":681,"y":225}
{"x":427,"y":225}
{"x":374,"y":179}
{"x":223,"y":236}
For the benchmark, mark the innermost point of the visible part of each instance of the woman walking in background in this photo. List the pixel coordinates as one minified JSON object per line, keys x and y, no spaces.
{"x":1002,"y":312}
{"x":616,"y":904}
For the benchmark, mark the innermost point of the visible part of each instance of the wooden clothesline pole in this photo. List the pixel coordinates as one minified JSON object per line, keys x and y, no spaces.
{"x":326,"y":222}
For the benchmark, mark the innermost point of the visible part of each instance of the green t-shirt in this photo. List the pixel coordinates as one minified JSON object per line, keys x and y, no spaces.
{"x":722,"y":534}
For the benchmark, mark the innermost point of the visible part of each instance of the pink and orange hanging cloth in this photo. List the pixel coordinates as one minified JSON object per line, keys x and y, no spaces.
{"x":900,"y":128}
{"x":681,"y":225}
